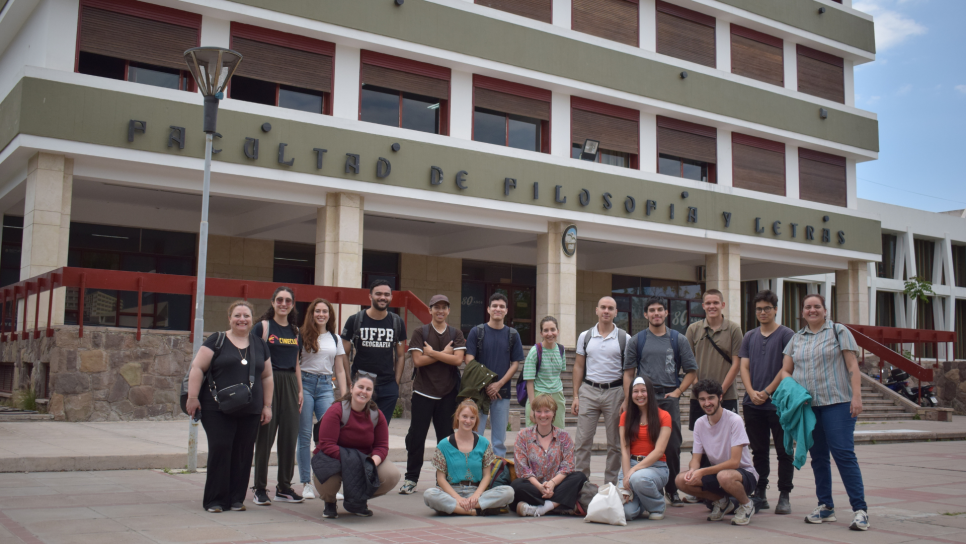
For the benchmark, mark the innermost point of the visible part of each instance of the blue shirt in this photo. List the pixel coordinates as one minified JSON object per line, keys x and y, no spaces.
{"x":496,"y":356}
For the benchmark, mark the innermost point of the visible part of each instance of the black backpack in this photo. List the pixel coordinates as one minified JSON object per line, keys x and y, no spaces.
{"x":481,"y":330}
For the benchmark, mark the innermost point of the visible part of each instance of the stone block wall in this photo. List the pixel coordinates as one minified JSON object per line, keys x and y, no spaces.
{"x":591,"y":286}
{"x":236,"y":259}
{"x":951,"y":386}
{"x":108,"y":375}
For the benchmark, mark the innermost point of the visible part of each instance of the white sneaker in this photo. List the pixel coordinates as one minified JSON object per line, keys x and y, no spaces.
{"x":860,"y":522}
{"x":339,"y":496}
{"x":743,"y":514}
{"x":527,"y":510}
{"x":309,"y":492}
{"x":690,"y":499}
{"x":722,"y":507}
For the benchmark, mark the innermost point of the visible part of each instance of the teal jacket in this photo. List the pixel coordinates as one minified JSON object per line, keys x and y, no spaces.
{"x":795,"y":415}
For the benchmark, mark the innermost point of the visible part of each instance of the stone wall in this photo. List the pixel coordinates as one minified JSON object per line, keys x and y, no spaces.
{"x":951,"y":386}
{"x":591,"y":286}
{"x":107,"y":375}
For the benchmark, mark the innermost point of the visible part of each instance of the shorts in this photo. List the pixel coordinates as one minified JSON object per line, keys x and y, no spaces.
{"x":748,"y":481}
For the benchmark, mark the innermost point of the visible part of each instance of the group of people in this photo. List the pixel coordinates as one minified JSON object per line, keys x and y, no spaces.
{"x":633,"y":382}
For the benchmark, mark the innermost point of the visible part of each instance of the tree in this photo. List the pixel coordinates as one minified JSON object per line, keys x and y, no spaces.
{"x":918,"y":288}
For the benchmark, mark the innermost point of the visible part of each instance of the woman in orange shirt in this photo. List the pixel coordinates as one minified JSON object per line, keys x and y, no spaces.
{"x":645,"y":430}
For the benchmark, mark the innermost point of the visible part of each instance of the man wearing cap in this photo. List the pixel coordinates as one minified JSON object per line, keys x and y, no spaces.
{"x":437,"y":352}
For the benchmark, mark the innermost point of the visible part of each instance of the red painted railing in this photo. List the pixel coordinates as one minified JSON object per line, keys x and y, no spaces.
{"x":142,"y":282}
{"x":873,"y":339}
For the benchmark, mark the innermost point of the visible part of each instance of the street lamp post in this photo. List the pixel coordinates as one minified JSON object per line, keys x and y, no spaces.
{"x":211,"y":68}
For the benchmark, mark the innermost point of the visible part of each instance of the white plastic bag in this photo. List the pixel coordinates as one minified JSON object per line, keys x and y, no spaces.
{"x":607,"y":507}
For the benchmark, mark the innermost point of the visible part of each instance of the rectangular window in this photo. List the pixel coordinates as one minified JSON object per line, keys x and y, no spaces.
{"x":959,"y":264}
{"x":404,"y":93}
{"x":756,"y":55}
{"x":6,"y":377}
{"x":887,"y":267}
{"x":616,"y":128}
{"x":541,"y":10}
{"x":821,"y":74}
{"x":616,"y":20}
{"x":281,"y":69}
{"x":136,"y":41}
{"x":686,"y":150}
{"x":821,"y":177}
{"x":12,"y":243}
{"x":685,"y":34}
{"x":511,"y":114}
{"x":885,"y":309}
{"x":925,"y":251}
{"x":759,"y":164}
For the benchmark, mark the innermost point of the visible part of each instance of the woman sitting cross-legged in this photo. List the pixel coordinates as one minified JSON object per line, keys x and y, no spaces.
{"x":544,"y":455}
{"x":462,"y":463}
{"x":645,"y":430}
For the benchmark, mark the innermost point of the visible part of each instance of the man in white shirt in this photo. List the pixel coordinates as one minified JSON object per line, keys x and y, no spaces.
{"x":599,"y":388}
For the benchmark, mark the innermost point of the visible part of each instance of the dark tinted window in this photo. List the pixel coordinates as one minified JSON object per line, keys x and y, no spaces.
{"x":380,"y":105}
{"x":253,"y":90}
{"x":11,"y":247}
{"x":523,"y":133}
{"x":683,"y":168}
{"x":420,"y":113}
{"x":294,"y":98}
{"x":489,"y":126}
{"x":154,"y":75}
{"x":100,"y":66}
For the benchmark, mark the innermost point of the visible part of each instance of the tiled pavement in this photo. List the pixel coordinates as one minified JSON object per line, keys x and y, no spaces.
{"x":910,"y":489}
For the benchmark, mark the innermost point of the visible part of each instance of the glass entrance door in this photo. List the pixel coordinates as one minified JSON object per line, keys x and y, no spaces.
{"x":520,"y":314}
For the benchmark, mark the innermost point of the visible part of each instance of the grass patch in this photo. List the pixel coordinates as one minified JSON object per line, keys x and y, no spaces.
{"x":952,"y":513}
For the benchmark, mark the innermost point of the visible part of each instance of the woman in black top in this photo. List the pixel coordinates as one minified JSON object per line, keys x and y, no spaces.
{"x":278,"y":328}
{"x":231,"y":438}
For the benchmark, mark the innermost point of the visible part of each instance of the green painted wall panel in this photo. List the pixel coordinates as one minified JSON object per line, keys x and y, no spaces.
{"x":834,"y":24}
{"x":463,"y":32}
{"x":77,"y":113}
{"x":10,"y":115}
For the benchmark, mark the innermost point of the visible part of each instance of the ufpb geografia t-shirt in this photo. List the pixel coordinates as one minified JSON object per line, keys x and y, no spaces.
{"x":375,"y":347}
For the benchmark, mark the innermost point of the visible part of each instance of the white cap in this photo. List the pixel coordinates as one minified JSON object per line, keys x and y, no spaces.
{"x":637,"y":381}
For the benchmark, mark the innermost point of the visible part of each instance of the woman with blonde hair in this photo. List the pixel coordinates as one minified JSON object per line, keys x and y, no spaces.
{"x":462,"y":462}
{"x":230,"y":359}
{"x":322,"y":356}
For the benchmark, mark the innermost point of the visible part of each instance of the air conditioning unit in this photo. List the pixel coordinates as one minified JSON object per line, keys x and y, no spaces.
{"x":702,"y":274}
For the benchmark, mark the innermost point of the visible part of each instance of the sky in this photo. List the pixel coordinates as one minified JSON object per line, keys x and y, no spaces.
{"x":917,"y":86}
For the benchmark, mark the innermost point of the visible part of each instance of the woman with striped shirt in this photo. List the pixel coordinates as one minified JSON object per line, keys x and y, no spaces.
{"x":553,"y":361}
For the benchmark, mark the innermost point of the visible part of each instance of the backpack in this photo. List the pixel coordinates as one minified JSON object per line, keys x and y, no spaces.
{"x":347,"y":410}
{"x":481,"y":329}
{"x":219,"y":341}
{"x":673,"y":334}
{"x":621,"y":340}
{"x":398,"y":329}
{"x":522,"y":393}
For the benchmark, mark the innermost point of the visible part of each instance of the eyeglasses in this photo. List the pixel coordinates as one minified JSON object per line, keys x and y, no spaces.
{"x":281,"y":300}
{"x":764,"y":309}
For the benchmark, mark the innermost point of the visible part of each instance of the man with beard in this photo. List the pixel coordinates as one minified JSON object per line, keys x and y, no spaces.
{"x":376,"y":336}
{"x":720,"y":435}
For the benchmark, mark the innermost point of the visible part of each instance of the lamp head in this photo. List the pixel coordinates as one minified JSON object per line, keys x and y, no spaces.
{"x":212,"y":67}
{"x":589,"y":151}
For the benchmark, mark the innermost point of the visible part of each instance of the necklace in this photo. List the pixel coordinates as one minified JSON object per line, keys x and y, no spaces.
{"x":244,"y":355}
{"x":544,"y":435}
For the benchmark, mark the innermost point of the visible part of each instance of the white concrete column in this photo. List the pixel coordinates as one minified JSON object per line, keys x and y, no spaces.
{"x":722,"y":45}
{"x":560,"y":124}
{"x":46,"y":226}
{"x":338,"y":244}
{"x":648,"y":129}
{"x":909,"y":257}
{"x":461,"y":105}
{"x":562,"y":13}
{"x":724,"y":168}
{"x":790,"y":61}
{"x":724,"y":274}
{"x":778,"y":287}
{"x":851,"y":185}
{"x":791,"y":171}
{"x":873,"y":311}
{"x":215,"y":32}
{"x":849,"y":71}
{"x":851,"y":291}
{"x":647,"y":24}
{"x":345,"y":87}
{"x":947,"y":250}
{"x":557,"y":282}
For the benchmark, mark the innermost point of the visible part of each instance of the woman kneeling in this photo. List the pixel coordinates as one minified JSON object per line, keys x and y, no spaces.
{"x":546,"y":479}
{"x":462,"y":463}
{"x":645,"y":430}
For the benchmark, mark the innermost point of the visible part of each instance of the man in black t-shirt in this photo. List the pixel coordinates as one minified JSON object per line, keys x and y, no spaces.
{"x":377,"y":346}
{"x":437,"y":352}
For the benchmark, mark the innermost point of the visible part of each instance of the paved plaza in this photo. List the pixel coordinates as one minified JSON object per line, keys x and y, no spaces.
{"x":916,"y":493}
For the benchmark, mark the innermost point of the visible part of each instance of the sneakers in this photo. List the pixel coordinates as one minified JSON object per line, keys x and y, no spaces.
{"x":860,"y":522}
{"x":408,"y":488}
{"x":743,"y":513}
{"x":527,"y":510}
{"x":261,"y":498}
{"x":722,"y":506}
{"x":784,"y":506}
{"x":238,"y":507}
{"x":287,"y":495}
{"x":215,"y":509}
{"x":330,"y":512}
{"x":309,"y":492}
{"x":655,"y":515}
{"x":690,"y":499}
{"x":362,"y":511}
{"x":821,"y":514}
{"x":675,"y":501}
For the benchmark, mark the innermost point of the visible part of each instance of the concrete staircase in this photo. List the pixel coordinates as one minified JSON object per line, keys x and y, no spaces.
{"x":879,"y":404}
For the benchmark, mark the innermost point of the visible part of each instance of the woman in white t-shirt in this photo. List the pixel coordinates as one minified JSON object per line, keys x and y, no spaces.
{"x":322,"y":355}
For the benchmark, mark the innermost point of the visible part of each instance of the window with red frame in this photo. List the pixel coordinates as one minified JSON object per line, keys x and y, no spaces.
{"x":615,"y":127}
{"x":136,"y":41}
{"x":686,"y":150}
{"x":511,"y":114}
{"x":404,"y":93}
{"x":302,"y":82}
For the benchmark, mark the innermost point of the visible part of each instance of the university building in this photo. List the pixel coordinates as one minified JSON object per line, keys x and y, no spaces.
{"x":439,"y":144}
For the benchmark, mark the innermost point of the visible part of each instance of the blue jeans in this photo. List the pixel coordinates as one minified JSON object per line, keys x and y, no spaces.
{"x":647,"y":485}
{"x":500,"y":416}
{"x":317,"y":396}
{"x":834,"y":433}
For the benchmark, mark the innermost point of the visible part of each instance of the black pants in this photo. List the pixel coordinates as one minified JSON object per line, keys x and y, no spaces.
{"x":672,"y":406}
{"x":565,"y":494}
{"x":695,"y":414}
{"x":425,"y":411}
{"x":759,"y":424}
{"x":285,"y":426}
{"x":385,"y":396}
{"x":231,"y":445}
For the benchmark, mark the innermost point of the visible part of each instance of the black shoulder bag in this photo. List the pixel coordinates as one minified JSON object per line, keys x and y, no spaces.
{"x":234,"y":398}
{"x":716,"y":348}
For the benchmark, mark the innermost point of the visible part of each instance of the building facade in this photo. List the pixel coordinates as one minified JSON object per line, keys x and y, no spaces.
{"x":437,"y":144}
